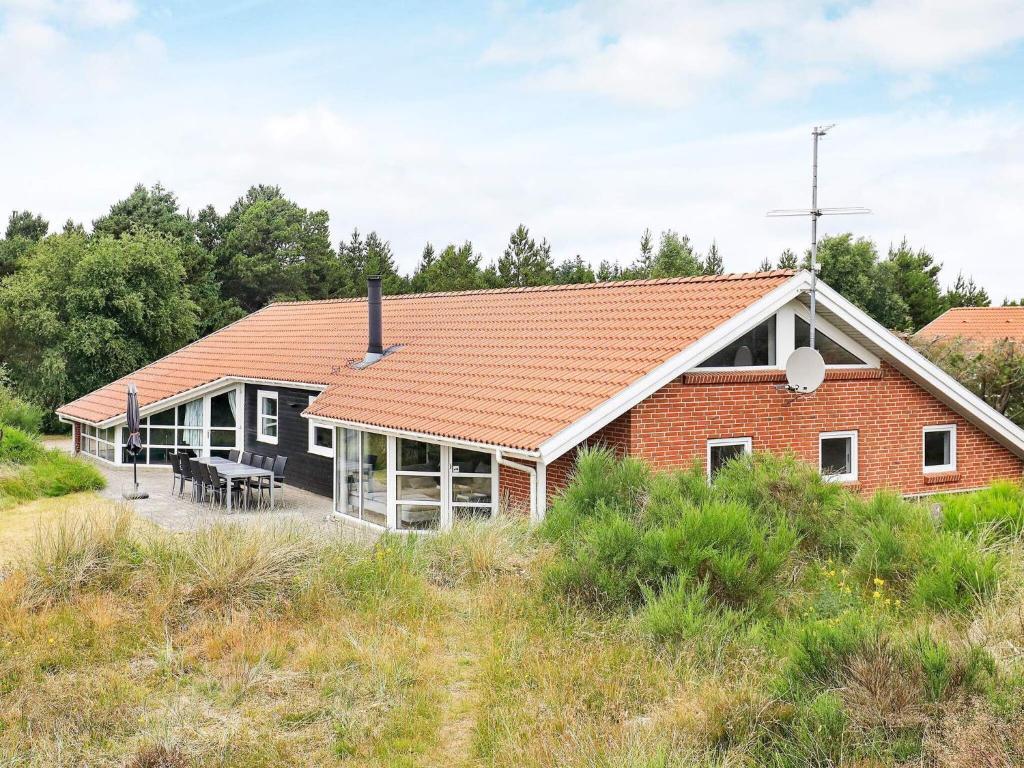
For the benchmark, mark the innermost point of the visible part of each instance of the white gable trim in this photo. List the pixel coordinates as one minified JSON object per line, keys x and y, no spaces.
{"x":672,"y":368}
{"x":912,"y":363}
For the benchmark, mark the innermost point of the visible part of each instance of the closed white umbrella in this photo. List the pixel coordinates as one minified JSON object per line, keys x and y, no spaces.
{"x":134,"y":443}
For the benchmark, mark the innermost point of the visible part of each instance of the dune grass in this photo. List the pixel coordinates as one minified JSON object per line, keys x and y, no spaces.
{"x":653,"y":621}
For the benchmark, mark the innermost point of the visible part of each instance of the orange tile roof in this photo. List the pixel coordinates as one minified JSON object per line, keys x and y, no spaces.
{"x":508,"y":367}
{"x":982,"y":324}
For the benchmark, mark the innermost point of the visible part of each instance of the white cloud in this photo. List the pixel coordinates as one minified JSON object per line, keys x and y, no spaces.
{"x":668,"y":53}
{"x":103,"y":13}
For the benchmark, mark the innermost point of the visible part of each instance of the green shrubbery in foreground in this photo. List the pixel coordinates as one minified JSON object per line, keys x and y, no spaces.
{"x":858,"y":603}
{"x":29,"y":471}
{"x":655,"y":620}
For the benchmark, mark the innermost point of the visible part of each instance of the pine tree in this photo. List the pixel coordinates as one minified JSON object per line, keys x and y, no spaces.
{"x":966,"y":293}
{"x":766,"y":265}
{"x":455,"y":269}
{"x":525,"y":262}
{"x":713,"y":264}
{"x":675,"y":257}
{"x":788,"y":260}
{"x":573,"y":271}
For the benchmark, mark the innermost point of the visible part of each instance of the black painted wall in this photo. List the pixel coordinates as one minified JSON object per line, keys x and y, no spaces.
{"x":304,"y":470}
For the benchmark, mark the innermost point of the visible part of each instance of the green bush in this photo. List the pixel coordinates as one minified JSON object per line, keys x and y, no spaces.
{"x":946,"y":670}
{"x":681,"y":613}
{"x":54,"y":473}
{"x":17,"y":412}
{"x":821,"y":650}
{"x":625,"y":532}
{"x":956,"y":573}
{"x":18,"y":447}
{"x":999,"y":509}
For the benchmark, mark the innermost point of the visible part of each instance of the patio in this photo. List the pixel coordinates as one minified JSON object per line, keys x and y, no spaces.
{"x":179,"y":513}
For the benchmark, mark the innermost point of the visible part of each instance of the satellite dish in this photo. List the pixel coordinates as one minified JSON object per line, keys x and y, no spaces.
{"x":805,"y":370}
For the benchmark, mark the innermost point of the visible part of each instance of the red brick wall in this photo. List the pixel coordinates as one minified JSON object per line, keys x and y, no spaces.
{"x":672,"y":427}
{"x":514,"y":488}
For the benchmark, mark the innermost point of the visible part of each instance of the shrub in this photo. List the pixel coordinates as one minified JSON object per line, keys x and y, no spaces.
{"x":822,"y":650}
{"x":724,"y":545}
{"x":999,"y":508}
{"x":684,"y":613}
{"x":17,"y":412}
{"x":955,"y":573}
{"x":17,"y":446}
{"x":774,"y":486}
{"x":53,"y":474}
{"x":944,"y":669}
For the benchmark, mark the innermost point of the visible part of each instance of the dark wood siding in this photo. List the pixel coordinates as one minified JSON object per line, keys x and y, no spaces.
{"x":304,"y":470}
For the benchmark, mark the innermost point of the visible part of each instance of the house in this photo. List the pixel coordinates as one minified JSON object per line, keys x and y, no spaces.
{"x":462,"y":399}
{"x":980,"y":325}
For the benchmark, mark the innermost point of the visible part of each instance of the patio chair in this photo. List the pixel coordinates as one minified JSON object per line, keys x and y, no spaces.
{"x":200,"y":480}
{"x":175,"y":460}
{"x":278,"y":478}
{"x":218,"y":485}
{"x":185,"y":464}
{"x":233,"y":456}
{"x":246,"y":457}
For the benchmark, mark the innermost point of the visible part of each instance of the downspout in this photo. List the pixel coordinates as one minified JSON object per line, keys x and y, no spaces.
{"x":531,"y":471}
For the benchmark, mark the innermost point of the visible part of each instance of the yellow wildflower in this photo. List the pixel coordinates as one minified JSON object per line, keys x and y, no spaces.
{"x":879,"y":582}
{"x":876,"y":594}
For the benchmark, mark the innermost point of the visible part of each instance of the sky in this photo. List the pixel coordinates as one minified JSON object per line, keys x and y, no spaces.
{"x":587,"y":121}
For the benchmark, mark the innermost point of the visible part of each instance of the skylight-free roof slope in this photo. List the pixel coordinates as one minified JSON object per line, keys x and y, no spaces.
{"x":507,"y":367}
{"x":982,"y":324}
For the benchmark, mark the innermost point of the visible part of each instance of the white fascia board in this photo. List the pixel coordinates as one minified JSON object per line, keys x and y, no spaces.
{"x":925,"y":372}
{"x":222,"y":382}
{"x":674,"y":367}
{"x":425,"y":437}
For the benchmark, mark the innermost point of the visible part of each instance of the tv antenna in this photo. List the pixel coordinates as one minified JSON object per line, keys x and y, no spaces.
{"x":816,"y":213}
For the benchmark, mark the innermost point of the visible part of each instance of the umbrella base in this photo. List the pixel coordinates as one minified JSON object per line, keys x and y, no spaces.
{"x":134,"y":493}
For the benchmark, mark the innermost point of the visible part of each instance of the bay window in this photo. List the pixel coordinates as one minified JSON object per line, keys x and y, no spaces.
{"x":411,"y":485}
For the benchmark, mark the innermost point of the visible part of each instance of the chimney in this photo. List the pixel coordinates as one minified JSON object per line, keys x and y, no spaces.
{"x":375,"y":347}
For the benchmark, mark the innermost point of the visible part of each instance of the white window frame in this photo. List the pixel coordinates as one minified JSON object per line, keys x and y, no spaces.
{"x":319,"y":450}
{"x":261,"y":436}
{"x":951,"y":467}
{"x":719,"y":442}
{"x":850,"y":477}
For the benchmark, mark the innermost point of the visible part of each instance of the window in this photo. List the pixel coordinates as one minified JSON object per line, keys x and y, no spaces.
{"x":223,"y":423}
{"x":207,"y":424}
{"x":754,"y":348}
{"x":472,"y":484}
{"x":722,"y":451}
{"x":418,"y":485}
{"x":837,"y":452}
{"x":939,"y":448}
{"x":266,"y":416}
{"x":363,"y":475}
{"x":831,"y":352}
{"x":98,"y":442}
{"x":321,"y":438}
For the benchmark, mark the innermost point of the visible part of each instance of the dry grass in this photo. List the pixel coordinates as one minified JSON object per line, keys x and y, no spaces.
{"x":121,"y":645}
{"x":19,"y":524}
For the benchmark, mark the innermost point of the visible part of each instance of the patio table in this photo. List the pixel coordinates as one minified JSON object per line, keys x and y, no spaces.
{"x":232,"y":470}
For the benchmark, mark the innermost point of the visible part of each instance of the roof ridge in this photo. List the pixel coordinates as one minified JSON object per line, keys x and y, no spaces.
{"x":729,"y":276}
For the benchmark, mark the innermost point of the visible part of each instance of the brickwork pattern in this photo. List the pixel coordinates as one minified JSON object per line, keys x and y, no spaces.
{"x":887,"y":410}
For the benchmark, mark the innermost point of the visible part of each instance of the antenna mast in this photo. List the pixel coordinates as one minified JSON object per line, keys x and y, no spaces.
{"x":815,"y":213}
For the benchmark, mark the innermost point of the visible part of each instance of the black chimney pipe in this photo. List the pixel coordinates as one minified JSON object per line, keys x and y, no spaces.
{"x":373,"y":306}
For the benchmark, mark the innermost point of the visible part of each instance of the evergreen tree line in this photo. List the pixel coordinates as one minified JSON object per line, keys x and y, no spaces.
{"x":78,"y":308}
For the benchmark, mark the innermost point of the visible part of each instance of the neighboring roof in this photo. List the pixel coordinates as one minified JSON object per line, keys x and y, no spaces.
{"x":983,"y":324}
{"x":509,"y":367}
